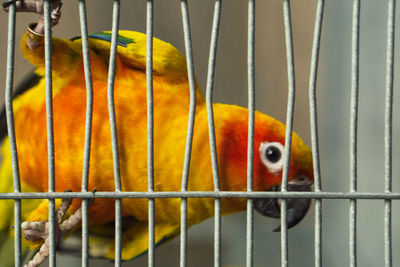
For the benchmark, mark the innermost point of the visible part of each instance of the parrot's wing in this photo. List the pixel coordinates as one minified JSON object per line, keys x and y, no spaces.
{"x":169,"y":65}
{"x":167,"y":60}
{"x":135,"y":239}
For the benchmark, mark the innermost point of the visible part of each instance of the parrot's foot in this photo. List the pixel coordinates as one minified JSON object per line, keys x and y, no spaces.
{"x":37,"y":230}
{"x":36,"y":30}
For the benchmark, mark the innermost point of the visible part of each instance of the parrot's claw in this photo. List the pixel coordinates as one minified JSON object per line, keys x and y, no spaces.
{"x":36,"y":30}
{"x":34,"y":231}
{"x":34,"y":6}
{"x":37,"y":230}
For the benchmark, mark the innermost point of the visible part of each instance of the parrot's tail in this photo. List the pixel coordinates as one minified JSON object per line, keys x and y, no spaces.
{"x":6,"y":186}
{"x":6,"y":207}
{"x":7,"y":212}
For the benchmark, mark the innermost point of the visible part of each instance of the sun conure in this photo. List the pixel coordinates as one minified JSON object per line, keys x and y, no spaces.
{"x":171,"y":105}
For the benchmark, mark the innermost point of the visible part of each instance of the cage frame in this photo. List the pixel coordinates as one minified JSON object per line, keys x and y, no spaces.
{"x":318,"y":194}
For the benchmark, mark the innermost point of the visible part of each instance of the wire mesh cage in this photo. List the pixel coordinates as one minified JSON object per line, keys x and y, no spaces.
{"x":243,"y":53}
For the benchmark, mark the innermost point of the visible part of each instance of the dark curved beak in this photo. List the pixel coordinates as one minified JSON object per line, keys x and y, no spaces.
{"x":296,"y":207}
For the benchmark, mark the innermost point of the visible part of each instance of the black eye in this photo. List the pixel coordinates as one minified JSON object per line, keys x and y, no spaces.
{"x":273,"y":154}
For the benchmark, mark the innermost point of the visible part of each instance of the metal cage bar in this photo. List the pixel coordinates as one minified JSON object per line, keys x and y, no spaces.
{"x":150,"y":128}
{"x":11,"y":131}
{"x":211,"y":130}
{"x":114,"y":136}
{"x":250,"y":131}
{"x":388,"y":130}
{"x":50,"y":129}
{"x":289,"y":128}
{"x":88,"y":130}
{"x":189,"y":136}
{"x":204,"y":194}
{"x":353,"y":130}
{"x":314,"y":129}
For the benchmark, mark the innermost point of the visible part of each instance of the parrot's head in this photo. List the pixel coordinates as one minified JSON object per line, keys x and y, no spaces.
{"x":268,"y":169}
{"x":268,"y":160}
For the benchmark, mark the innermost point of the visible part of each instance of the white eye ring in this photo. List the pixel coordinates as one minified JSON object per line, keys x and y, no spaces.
{"x":272,"y":155}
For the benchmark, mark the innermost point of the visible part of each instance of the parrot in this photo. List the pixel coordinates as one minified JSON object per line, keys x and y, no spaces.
{"x":171,"y":105}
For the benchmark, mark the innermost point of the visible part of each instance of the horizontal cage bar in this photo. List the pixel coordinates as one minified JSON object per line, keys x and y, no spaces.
{"x":204,"y":194}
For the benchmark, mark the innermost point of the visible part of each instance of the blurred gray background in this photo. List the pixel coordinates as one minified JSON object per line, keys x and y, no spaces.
{"x":271,"y":90}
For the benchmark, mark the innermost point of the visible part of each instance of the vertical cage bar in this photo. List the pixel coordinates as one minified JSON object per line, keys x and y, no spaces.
{"x":353,"y":130}
{"x":217,"y":232}
{"x":388,"y":129}
{"x":314,"y":129}
{"x":50,"y":129}
{"x":189,"y":136}
{"x":150,"y":129}
{"x":289,"y":127}
{"x":211,"y":130}
{"x":183,"y":239}
{"x":250,"y":131}
{"x":113,"y":126}
{"x":11,"y":131}
{"x":88,"y":130}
